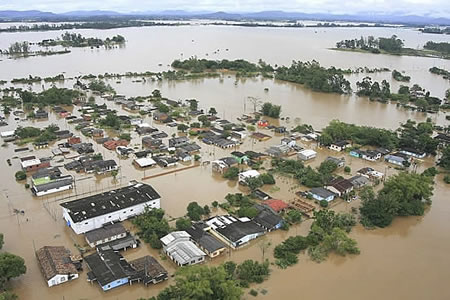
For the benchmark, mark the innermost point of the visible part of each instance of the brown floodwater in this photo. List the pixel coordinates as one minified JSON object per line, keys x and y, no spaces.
{"x":408,"y":260}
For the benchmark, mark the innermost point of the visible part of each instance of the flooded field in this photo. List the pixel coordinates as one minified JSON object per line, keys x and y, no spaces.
{"x":408,"y":260}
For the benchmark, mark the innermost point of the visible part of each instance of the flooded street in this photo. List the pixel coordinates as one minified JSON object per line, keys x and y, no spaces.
{"x":407,"y":260}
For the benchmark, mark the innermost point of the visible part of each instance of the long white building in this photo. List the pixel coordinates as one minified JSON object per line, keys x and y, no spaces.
{"x":93,"y":212}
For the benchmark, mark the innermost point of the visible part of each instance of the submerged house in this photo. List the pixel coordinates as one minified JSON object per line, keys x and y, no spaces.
{"x":105,"y":234}
{"x":340,"y":162}
{"x":149,"y":270}
{"x":94,"y":211}
{"x":109,"y":269}
{"x":204,"y":240}
{"x":181,"y":250}
{"x":339,"y":146}
{"x":267,"y":218}
{"x":340,"y":186}
{"x":56,"y":265}
{"x":321,"y":193}
{"x":234,"y":232}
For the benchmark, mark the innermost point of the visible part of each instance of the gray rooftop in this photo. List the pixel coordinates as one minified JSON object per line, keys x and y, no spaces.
{"x":100,"y":204}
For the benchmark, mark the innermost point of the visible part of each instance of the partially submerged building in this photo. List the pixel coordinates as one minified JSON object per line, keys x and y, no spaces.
{"x":234,"y":232}
{"x":204,"y":240}
{"x":181,"y":250}
{"x":56,"y":265}
{"x":94,"y":211}
{"x":105,"y":234}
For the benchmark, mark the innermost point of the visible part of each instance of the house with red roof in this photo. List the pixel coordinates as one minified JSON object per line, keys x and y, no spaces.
{"x":276,"y":205}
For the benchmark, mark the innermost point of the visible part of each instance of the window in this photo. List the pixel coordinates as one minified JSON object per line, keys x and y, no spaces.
{"x":63,"y":279}
{"x":86,"y":223}
{"x":124,"y":211}
{"x":131,"y":209}
{"x":109,"y":217}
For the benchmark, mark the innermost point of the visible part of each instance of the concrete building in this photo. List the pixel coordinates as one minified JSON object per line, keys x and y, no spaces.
{"x":339,"y":146}
{"x":181,"y":250}
{"x":56,"y":265}
{"x":92,"y":212}
{"x":105,"y":234}
{"x":204,"y":240}
{"x":340,"y":186}
{"x":306,"y":154}
{"x":234,"y":232}
{"x":321,"y":193}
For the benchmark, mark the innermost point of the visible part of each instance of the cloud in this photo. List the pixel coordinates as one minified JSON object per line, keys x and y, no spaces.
{"x":419,"y":7}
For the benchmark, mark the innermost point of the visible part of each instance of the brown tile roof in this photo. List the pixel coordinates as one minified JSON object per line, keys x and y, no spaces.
{"x":55,"y":260}
{"x":149,"y":266}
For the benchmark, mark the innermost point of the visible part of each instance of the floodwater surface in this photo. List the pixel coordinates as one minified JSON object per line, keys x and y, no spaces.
{"x":408,"y":260}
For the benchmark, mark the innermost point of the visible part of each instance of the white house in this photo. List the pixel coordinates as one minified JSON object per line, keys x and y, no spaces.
{"x":339,"y":146}
{"x":306,"y":154}
{"x":181,"y":250}
{"x":243,"y":176}
{"x":63,"y":183}
{"x":56,"y":265}
{"x":93,"y":212}
{"x":144,"y":162}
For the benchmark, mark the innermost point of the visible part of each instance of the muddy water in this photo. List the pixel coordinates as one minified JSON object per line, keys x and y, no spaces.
{"x":405,"y":261}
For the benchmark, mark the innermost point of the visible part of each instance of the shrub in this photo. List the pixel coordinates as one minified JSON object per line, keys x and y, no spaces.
{"x":323,"y":203}
{"x":267,"y":178}
{"x":447,"y":179}
{"x":27,"y":185}
{"x":20,"y":175}
{"x":253,"y":292}
{"x":347,"y":169}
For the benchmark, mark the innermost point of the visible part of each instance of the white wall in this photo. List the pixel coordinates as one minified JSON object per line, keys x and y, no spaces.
{"x":119,"y":215}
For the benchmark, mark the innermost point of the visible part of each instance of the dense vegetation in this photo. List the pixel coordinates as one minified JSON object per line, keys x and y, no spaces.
{"x":361,"y":135}
{"x":418,"y":136}
{"x":315,"y":77}
{"x":84,"y":25}
{"x":270,"y":110}
{"x":224,"y":282}
{"x":152,"y":226}
{"x":441,"y":47}
{"x":444,"y":161}
{"x":394,"y":45}
{"x":51,"y":96}
{"x":311,"y":74}
{"x":77,"y":40}
{"x":403,"y":194}
{"x":307,"y":176}
{"x":390,"y":45}
{"x":438,"y":71}
{"x":400,"y":77}
{"x":202,"y":282}
{"x":11,"y":266}
{"x":286,"y":252}
{"x":373,"y":90}
{"x":29,"y":133}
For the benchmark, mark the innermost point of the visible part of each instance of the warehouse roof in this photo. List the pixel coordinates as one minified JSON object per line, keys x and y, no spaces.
{"x":100,"y":204}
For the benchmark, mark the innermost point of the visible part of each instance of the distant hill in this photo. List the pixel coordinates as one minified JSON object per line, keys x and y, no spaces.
{"x":262,"y":15}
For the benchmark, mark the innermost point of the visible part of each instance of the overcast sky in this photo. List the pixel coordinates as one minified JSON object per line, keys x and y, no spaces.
{"x":419,"y":7}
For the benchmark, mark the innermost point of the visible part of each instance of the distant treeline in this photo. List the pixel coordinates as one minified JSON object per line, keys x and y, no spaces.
{"x":436,"y":30}
{"x":442,"y":47}
{"x":87,"y":25}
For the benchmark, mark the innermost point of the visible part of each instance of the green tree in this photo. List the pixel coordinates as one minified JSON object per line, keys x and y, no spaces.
{"x":156,"y":94}
{"x":182,"y":127}
{"x":231,"y":173}
{"x":1,"y":241}
{"x":294,"y":216}
{"x":267,"y":178}
{"x":254,"y":183}
{"x":202,"y":283}
{"x":212,"y":111}
{"x":20,"y":175}
{"x":444,"y":161}
{"x":403,"y":194}
{"x":11,"y":266}
{"x":195,"y":211}
{"x":7,"y":295}
{"x":251,"y":271}
{"x":215,"y":204}
{"x":152,"y":226}
{"x":182,"y":224}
